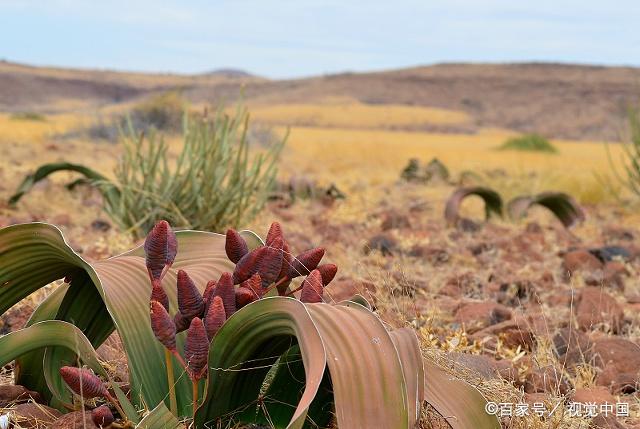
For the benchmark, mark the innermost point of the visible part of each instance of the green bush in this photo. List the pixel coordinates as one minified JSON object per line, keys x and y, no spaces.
{"x":28,"y":116}
{"x":529,"y":142}
{"x":215,"y":182}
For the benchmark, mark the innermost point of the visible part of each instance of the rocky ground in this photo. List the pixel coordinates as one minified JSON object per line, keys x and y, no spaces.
{"x":528,"y":312}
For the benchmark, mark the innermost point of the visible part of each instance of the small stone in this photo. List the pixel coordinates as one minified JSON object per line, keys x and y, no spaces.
{"x":74,"y":420}
{"x":573,"y":347}
{"x":13,"y":394}
{"x":597,"y":307}
{"x":479,"y":315}
{"x":381,"y":243}
{"x":580,"y":261}
{"x":547,"y":379}
{"x":394,"y":220}
{"x":597,"y":394}
{"x":32,"y":415}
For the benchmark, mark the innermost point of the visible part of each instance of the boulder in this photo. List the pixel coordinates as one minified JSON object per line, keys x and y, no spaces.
{"x":597,"y":307}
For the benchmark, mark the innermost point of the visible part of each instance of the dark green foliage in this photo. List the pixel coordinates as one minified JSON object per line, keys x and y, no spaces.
{"x":28,"y":116}
{"x":530,"y":143}
{"x":563,"y":206}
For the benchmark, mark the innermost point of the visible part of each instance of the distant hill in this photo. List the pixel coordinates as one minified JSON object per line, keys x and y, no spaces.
{"x":556,"y":100}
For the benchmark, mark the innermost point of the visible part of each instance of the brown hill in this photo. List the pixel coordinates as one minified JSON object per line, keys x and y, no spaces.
{"x":557,"y":100}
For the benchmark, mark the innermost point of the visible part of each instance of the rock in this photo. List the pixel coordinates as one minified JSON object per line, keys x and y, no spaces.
{"x":382,"y":243}
{"x":486,"y":366}
{"x":345,"y":288}
{"x":32,"y":415}
{"x":618,"y":382}
{"x":394,"y":220}
{"x":615,"y":233}
{"x":580,"y":261}
{"x":597,"y":307}
{"x":623,"y":354}
{"x":606,"y":422}
{"x":466,"y":284}
{"x":13,"y":394}
{"x":100,"y":225}
{"x":433,"y":255}
{"x":610,"y":253}
{"x":547,"y":379}
{"x":74,"y":420}
{"x":598,"y":395}
{"x":479,"y":315}
{"x":61,"y":220}
{"x":513,"y":333}
{"x":573,"y":347}
{"x":614,"y":273}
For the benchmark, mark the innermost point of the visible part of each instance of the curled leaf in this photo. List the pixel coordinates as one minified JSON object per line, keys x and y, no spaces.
{"x":226,"y":291}
{"x":83,"y":382}
{"x":160,"y":248}
{"x":190,"y":301}
{"x":162,"y":325}
{"x":102,"y":416}
{"x":562,"y":205}
{"x":196,"y":349}
{"x":215,"y":317}
{"x":235,"y":246}
{"x":328,"y":272}
{"x":312,"y":288}
{"x":492,"y":202}
{"x":306,"y":262}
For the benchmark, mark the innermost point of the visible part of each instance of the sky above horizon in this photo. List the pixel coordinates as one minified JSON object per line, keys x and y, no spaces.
{"x":284,"y":39}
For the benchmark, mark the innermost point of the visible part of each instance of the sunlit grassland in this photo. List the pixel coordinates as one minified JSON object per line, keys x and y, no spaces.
{"x":352,"y":114}
{"x":376,"y":157}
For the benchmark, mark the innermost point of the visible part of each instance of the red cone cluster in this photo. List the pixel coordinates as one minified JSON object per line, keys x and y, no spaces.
{"x":102,"y":416}
{"x":257,"y":272}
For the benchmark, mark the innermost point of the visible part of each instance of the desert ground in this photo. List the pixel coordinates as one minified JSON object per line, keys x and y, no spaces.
{"x":527,"y":311}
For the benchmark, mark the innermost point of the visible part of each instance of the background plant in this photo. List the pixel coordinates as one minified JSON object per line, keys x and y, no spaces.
{"x":530,"y":143}
{"x":214,"y":183}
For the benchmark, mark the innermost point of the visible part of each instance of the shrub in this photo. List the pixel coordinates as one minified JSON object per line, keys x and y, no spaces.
{"x":529,"y":142}
{"x":28,"y":116}
{"x":631,"y":150}
{"x":260,"y":355}
{"x":215,"y":182}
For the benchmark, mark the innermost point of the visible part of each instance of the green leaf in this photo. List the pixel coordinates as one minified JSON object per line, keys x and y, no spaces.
{"x":110,"y":192}
{"x":492,"y":202}
{"x":243,"y":351}
{"x":349,"y":340}
{"x":107,"y":294}
{"x":461,"y":404}
{"x":160,"y":417}
{"x":562,"y":205}
{"x":61,"y":334}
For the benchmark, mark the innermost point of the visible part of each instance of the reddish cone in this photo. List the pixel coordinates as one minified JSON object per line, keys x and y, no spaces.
{"x":158,"y":294}
{"x":215,"y":317}
{"x":181,"y":322}
{"x":306,"y":262}
{"x":275,"y":231}
{"x":226,"y":291}
{"x":255,"y":285}
{"x":235,"y":246}
{"x":244,"y":296}
{"x":328,"y":272}
{"x":190,"y":301}
{"x":83,"y":382}
{"x":209,"y":291}
{"x":160,"y":248}
{"x":196,"y":349}
{"x":312,"y":288}
{"x":102,"y":416}
{"x":162,"y":326}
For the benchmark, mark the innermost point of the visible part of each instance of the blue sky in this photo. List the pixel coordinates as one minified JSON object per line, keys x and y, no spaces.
{"x":282,"y":39}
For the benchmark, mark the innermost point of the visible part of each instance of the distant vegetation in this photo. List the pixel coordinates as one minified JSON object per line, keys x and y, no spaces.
{"x":632,"y":153}
{"x":28,"y":116}
{"x":214,"y":184}
{"x":529,"y":143}
{"x":163,"y":112}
